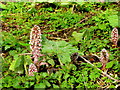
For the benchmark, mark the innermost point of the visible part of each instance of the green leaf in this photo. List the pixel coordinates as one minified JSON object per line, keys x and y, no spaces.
{"x":109,"y":64}
{"x":113,"y":19}
{"x":64,"y":58}
{"x":7,"y":47}
{"x":77,"y":36}
{"x":2,"y":6}
{"x":17,"y":64}
{"x":99,"y":65}
{"x":86,"y":35}
{"x":66,"y":76}
{"x":111,"y":86}
{"x":13,"y":52}
{"x":12,"y":66}
{"x":40,"y":85}
{"x":32,"y":83}
{"x":106,"y":41}
{"x":55,"y":86}
{"x":44,"y":74}
{"x":47,"y":83}
{"x":24,"y":44}
{"x":62,"y":49}
{"x":51,"y":61}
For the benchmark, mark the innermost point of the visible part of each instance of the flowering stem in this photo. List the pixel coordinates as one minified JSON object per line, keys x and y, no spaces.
{"x":114,"y":36}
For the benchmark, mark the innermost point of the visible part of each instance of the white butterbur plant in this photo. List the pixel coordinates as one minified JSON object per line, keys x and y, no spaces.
{"x":32,"y":69}
{"x":114,"y":36}
{"x":35,"y":46}
{"x":104,"y":57}
{"x":35,"y":41}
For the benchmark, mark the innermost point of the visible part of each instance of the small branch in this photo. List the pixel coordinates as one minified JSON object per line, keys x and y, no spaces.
{"x":100,"y":70}
{"x":26,"y":54}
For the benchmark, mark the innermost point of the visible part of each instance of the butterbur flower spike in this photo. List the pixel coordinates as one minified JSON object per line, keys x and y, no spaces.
{"x":114,"y":36}
{"x":32,"y":68}
{"x":35,"y":41}
{"x":104,"y":57}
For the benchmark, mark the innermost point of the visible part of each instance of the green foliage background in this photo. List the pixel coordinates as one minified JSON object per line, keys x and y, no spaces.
{"x":83,"y":27}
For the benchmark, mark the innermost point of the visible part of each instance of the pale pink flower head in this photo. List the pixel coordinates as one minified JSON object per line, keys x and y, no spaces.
{"x":35,"y":41}
{"x":32,"y":68}
{"x":114,"y":36}
{"x":104,"y":57}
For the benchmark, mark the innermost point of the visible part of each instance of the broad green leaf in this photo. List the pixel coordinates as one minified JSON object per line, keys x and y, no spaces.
{"x":51,"y":61}
{"x":19,"y":69}
{"x":112,"y":86}
{"x":12,"y":66}
{"x":93,"y":49}
{"x":64,"y":58}
{"x":60,"y":48}
{"x":40,"y":85}
{"x":55,"y":86}
{"x":113,"y":19}
{"x":7,"y":47}
{"x":109,"y":64}
{"x":13,"y":52}
{"x":32,"y":83}
{"x":17,"y":64}
{"x":77,"y":36}
{"x":17,"y":61}
{"x":66,"y":76}
{"x":47,"y":83}
{"x":2,"y":6}
{"x":44,"y":74}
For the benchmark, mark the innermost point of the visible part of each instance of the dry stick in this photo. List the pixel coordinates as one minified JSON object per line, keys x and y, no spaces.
{"x":100,"y":70}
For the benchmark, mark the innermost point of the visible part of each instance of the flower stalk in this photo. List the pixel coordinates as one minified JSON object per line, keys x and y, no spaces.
{"x":35,"y":41}
{"x":104,"y":57}
{"x":35,"y":46}
{"x":114,"y":36}
{"x":32,"y":69}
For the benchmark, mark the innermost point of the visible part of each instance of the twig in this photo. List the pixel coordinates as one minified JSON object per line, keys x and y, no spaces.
{"x":100,"y":70}
{"x":26,"y":54}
